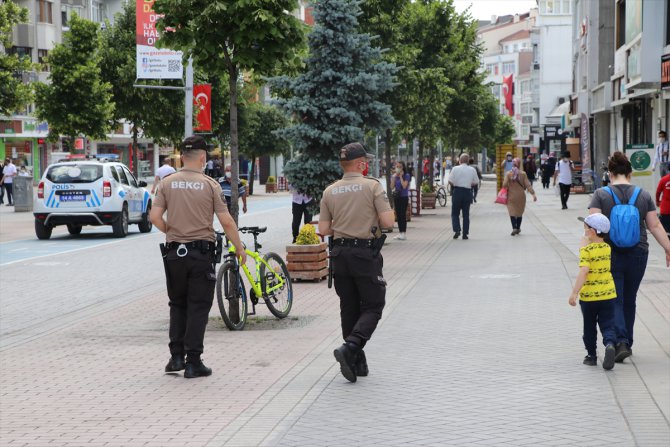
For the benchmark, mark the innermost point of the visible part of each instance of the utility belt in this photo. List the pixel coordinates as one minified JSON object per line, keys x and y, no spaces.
{"x":360,"y":243}
{"x":184,"y":247}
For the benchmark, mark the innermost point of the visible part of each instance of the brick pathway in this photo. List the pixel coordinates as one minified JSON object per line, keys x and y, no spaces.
{"x":477,"y":346}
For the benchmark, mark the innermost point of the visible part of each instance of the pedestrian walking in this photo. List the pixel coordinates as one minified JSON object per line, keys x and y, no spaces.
{"x":517,"y":184}
{"x":663,"y":201}
{"x":462,"y":178}
{"x":2,"y":183}
{"x":564,"y":170}
{"x":227,"y":189}
{"x":595,"y":288}
{"x":507,"y":163}
{"x":8,"y":174}
{"x":662,"y":154}
{"x":300,"y":207}
{"x":475,"y":189}
{"x":530,"y":168}
{"x":209,"y":168}
{"x":162,"y":172}
{"x":191,"y":199}
{"x":628,"y":239}
{"x":400,"y":182}
{"x":354,"y":210}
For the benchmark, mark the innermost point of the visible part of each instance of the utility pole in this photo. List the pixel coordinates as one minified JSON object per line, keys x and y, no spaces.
{"x":188,"y":100}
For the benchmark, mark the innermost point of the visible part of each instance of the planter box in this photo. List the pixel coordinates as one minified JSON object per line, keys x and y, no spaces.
{"x":307,"y":262}
{"x":428,"y":200}
{"x":270,"y":187}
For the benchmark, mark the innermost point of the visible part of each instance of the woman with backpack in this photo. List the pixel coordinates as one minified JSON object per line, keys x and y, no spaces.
{"x":631,"y":212}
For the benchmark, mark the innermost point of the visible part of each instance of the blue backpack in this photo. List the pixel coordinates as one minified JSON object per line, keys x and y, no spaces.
{"x":624,"y":221}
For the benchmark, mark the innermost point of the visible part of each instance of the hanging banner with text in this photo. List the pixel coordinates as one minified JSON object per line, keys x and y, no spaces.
{"x":152,"y":62}
{"x":585,"y":143}
{"x":202,"y":103}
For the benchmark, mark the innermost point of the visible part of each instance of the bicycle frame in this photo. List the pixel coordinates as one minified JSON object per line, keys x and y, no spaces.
{"x":254,"y":278}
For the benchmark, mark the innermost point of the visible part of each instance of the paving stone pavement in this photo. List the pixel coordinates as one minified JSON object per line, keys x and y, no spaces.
{"x":477,"y":346}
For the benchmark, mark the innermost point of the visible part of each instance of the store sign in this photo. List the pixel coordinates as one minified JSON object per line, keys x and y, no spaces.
{"x":152,"y":62}
{"x":665,"y":71}
{"x":79,"y":144}
{"x":640,"y":156}
{"x":585,"y":144}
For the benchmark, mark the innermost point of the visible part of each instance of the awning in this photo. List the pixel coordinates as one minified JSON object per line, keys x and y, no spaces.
{"x":559,"y":111}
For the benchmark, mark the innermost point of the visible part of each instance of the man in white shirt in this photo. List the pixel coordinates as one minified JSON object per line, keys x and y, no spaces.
{"x":8,"y":174}
{"x":162,"y":172}
{"x":462,"y":178}
{"x":662,"y":155}
{"x":564,"y":173}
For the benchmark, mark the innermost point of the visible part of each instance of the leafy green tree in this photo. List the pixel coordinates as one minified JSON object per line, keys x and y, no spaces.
{"x":336,"y":99}
{"x":258,"y":128}
{"x":158,"y":114}
{"x":76,"y":101}
{"x":14,"y":94}
{"x":233,"y":37}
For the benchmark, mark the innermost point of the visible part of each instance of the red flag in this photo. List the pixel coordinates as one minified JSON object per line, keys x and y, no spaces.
{"x":202,"y":103}
{"x":508,"y":94}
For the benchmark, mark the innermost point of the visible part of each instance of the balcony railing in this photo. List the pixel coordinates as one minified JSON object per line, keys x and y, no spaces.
{"x":601,"y":97}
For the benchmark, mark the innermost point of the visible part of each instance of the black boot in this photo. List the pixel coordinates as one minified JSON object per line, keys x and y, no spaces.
{"x":195,"y":368}
{"x":176,"y":363}
{"x":362,"y":365}
{"x":346,"y":355}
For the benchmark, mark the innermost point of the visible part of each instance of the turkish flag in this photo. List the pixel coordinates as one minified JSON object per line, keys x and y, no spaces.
{"x":202,"y":106}
{"x":508,"y":94}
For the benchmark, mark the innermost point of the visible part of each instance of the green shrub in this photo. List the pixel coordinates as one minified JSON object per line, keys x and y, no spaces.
{"x":307,"y":236}
{"x":271,"y":179}
{"x":426,"y":188}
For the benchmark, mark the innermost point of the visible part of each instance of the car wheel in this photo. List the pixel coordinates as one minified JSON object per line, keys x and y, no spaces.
{"x":74,"y":229}
{"x":145,"y":224}
{"x":42,"y":231}
{"x":120,"y":225}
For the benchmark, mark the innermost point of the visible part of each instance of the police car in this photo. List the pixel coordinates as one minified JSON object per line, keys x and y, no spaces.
{"x":78,"y":193}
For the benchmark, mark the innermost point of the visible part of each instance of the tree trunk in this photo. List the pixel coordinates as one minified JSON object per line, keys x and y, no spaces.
{"x":252,"y":172}
{"x":431,"y":160}
{"x":136,"y":168}
{"x":234,"y":143}
{"x":387,"y":158}
{"x":419,"y":174}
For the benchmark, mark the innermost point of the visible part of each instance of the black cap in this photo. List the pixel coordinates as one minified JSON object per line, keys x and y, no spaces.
{"x":196,"y":142}
{"x":353,"y":151}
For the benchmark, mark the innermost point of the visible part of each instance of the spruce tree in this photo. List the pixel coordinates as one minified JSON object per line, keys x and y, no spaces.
{"x":338,"y":97}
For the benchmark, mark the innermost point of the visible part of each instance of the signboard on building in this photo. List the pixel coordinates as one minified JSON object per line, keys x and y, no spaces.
{"x":152,"y":62}
{"x":665,"y":71}
{"x":585,"y":145}
{"x":641,"y":157}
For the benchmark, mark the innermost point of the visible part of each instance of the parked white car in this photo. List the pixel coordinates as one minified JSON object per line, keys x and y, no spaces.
{"x":78,"y":193}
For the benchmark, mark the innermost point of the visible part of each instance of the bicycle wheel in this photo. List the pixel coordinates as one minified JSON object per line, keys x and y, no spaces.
{"x":442,"y":196}
{"x":232,"y":297}
{"x":279,"y":300}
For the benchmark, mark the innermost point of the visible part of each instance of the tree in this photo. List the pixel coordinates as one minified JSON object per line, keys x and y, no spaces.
{"x":336,"y":99}
{"x":258,"y":127}
{"x":77,"y":101}
{"x":158,"y":114}
{"x":14,"y":94}
{"x":233,"y":37}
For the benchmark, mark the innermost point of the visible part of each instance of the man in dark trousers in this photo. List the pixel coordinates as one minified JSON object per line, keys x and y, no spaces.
{"x":353,"y":211}
{"x":462,"y":178}
{"x":192,"y":199}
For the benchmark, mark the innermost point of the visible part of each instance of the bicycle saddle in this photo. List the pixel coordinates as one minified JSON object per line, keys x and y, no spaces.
{"x":254,"y":230}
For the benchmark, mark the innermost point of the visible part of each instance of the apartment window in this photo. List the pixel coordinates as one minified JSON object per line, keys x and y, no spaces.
{"x":44,"y":11}
{"x":21,"y":52}
{"x":525,"y":87}
{"x":508,"y":67}
{"x":526,"y":109}
{"x":620,"y":25}
{"x":98,"y":12}
{"x":66,"y":12}
{"x":516,"y":48}
{"x":490,"y":68}
{"x":42,"y":59}
{"x":495,"y":89}
{"x":550,"y":7}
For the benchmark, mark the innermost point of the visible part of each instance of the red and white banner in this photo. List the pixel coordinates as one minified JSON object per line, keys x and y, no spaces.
{"x":151,"y":62}
{"x":202,"y":104}
{"x":508,"y":94}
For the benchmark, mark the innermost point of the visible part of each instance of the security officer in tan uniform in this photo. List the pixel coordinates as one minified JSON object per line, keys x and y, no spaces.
{"x":191,"y":199}
{"x":353,"y":211}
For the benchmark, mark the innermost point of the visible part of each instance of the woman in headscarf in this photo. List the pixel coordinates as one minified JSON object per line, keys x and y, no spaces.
{"x":517,"y":183}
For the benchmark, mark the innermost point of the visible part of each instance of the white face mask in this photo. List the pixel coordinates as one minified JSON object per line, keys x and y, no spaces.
{"x":398,"y":170}
{"x":228,"y":174}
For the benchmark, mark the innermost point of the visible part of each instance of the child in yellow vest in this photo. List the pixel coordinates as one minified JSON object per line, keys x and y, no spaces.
{"x":595,"y":287}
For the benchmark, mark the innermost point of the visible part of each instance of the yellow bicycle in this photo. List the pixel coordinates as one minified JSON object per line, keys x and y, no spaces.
{"x":269,"y":281}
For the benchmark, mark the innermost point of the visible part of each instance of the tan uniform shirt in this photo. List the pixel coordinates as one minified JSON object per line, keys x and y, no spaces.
{"x":192,"y":199}
{"x":353,"y":204}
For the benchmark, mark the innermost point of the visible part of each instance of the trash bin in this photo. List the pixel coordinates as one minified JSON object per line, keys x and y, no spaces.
{"x":23,"y":194}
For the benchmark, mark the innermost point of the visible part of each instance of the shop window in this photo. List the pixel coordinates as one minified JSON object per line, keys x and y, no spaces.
{"x":44,"y":11}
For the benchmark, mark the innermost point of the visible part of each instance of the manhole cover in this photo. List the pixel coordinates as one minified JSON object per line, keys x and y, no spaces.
{"x":496,"y":276}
